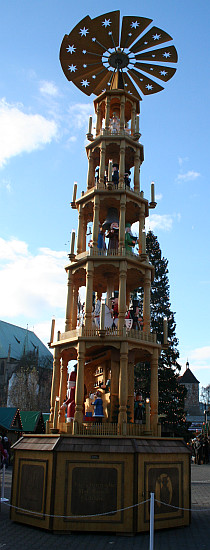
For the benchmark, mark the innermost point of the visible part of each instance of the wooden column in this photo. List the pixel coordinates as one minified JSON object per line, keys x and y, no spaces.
{"x":62,"y":388}
{"x":79,"y":393}
{"x":141,"y":226}
{"x":133,"y":118}
{"x":80,"y":230}
{"x":136,"y":171}
{"x":102,"y":164}
{"x":122,"y":163}
{"x":146,"y":301}
{"x":154,"y":393}
{"x":98,"y":119}
{"x":96,"y":208}
{"x":122,"y":295}
{"x":69,"y":302}
{"x":107,"y":113}
{"x":123,"y":383}
{"x":122,"y":223}
{"x":90,"y":173}
{"x":89,"y":295}
{"x":74,"y":307}
{"x":55,"y":381}
{"x":122,"y":113}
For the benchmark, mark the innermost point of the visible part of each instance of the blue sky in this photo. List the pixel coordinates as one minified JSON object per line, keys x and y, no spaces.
{"x":43,"y":122}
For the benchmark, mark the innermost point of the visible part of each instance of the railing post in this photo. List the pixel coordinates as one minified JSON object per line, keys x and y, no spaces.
{"x":2,"y":487}
{"x":151,"y":538}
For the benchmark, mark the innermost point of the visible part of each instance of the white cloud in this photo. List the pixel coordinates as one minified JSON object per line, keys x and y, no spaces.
{"x":157,"y":221}
{"x":79,"y":113}
{"x":6,"y":184}
{"x":21,"y":132}
{"x":48,"y":88}
{"x":31,"y":285}
{"x":188,"y":176}
{"x":182,"y":160}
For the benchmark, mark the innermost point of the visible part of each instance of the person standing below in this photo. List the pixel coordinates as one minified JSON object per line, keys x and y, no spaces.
{"x":138,"y":409}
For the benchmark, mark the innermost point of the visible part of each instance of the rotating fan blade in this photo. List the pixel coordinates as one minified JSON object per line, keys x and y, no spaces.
{"x":159,"y":71}
{"x":152,"y":38}
{"x":146,"y":85}
{"x":132,"y":27}
{"x":129,"y":86}
{"x":168,"y":55}
{"x":105,"y":29}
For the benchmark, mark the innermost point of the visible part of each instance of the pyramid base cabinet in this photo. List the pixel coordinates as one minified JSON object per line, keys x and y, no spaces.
{"x":73,"y":483}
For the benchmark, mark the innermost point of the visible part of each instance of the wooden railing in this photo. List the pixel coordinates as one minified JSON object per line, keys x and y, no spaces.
{"x":109,"y":429}
{"x":93,"y":332}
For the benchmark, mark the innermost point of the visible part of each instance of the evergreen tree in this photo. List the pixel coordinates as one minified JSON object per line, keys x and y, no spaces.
{"x":171,"y":393}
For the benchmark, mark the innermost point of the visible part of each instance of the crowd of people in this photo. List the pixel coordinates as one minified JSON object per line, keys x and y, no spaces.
{"x":200,"y":449}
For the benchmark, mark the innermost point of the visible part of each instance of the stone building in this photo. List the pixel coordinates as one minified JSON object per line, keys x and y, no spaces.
{"x":15,"y":342}
{"x":192,"y":398}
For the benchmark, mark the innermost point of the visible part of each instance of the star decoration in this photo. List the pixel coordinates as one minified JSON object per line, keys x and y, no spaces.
{"x":84,"y":51}
{"x":134,"y":24}
{"x":130,"y":34}
{"x":163,"y":73}
{"x":149,"y":86}
{"x":166,"y":54}
{"x":85,"y":83}
{"x":93,"y":76}
{"x":106,"y":23}
{"x":71,"y":49}
{"x":84,"y":65}
{"x":93,"y":39}
{"x":84,"y":31}
{"x":72,"y":68}
{"x":145,"y":43}
{"x":156,"y":36}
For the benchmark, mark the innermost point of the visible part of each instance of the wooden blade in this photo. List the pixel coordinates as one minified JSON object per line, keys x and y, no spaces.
{"x":132,"y":27}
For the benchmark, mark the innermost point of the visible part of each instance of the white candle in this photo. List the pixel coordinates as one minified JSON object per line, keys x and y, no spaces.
{"x":152,"y":192}
{"x":52,"y":331}
{"x":74,"y":192}
{"x":90,"y":125}
{"x":110,"y":171}
{"x":102,"y":316}
{"x":72,"y":242}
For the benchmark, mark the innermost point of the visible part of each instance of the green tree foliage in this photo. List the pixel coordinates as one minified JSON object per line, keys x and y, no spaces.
{"x":171,"y":393}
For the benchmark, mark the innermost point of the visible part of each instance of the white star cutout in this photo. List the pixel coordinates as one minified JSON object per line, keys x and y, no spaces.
{"x":164,"y":73}
{"x":166,"y":54}
{"x":84,"y":51}
{"x":94,"y":76}
{"x":106,"y":23}
{"x":71,"y":49}
{"x":84,"y":65}
{"x":156,"y":36}
{"x":84,"y":31}
{"x":85,"y":83}
{"x":130,"y":34}
{"x":134,"y":25}
{"x":145,"y":43}
{"x":93,"y":39}
{"x":149,"y":86}
{"x":72,"y":68}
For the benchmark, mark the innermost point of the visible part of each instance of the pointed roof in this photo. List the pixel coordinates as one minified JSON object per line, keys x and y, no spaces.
{"x":16,"y":340}
{"x":31,"y":421}
{"x":188,"y":378}
{"x":10,"y":418}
